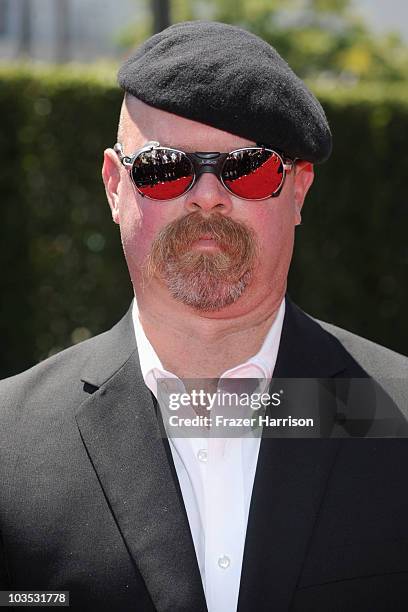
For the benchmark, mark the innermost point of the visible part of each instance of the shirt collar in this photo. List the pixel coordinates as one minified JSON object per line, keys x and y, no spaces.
{"x":259,"y":366}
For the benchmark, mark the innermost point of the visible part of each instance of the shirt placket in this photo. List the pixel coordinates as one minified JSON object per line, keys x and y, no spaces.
{"x":224,"y":511}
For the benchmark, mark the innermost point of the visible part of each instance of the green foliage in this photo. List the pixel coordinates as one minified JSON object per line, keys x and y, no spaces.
{"x":63,"y":272}
{"x":318,"y":38}
{"x":351,"y":257}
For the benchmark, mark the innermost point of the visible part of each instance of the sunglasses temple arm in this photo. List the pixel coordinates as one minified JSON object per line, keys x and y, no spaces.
{"x":288,"y":165}
{"x":125,"y":159}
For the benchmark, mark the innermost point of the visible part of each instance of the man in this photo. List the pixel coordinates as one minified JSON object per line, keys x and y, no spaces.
{"x":216,"y":144}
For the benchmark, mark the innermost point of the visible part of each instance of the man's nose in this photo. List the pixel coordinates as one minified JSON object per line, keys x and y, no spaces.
{"x":208,"y":195}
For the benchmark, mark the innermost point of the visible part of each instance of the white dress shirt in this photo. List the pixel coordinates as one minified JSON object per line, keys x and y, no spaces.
{"x":216,"y":475}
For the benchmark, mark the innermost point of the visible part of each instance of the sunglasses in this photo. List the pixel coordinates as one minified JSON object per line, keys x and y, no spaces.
{"x":163,"y":173}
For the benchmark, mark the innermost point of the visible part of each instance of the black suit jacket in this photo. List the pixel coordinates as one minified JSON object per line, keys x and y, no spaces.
{"x":90,"y":501}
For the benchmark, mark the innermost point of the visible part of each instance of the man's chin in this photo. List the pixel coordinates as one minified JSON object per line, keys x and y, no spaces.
{"x":206,"y":293}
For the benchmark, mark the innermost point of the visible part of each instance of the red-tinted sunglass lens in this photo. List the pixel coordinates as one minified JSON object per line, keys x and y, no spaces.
{"x":162,"y":174}
{"x":253,"y":173}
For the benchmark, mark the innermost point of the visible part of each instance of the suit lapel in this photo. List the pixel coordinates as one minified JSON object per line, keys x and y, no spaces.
{"x":290,"y":479}
{"x":289,"y":485}
{"x":119,"y":428}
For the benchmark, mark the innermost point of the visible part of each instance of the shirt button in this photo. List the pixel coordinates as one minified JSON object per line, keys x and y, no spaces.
{"x":224,"y":562}
{"x":202,"y":455}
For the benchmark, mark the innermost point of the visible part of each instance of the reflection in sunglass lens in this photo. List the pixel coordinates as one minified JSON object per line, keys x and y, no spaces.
{"x":162,"y":174}
{"x":253,"y":173}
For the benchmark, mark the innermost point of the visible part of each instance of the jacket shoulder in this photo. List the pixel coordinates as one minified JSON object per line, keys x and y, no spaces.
{"x":378,"y":361}
{"x":61,"y":365}
{"x":62,"y":374}
{"x":45,"y":383}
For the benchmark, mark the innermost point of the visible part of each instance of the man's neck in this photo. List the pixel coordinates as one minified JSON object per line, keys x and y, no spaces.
{"x":191,"y":344}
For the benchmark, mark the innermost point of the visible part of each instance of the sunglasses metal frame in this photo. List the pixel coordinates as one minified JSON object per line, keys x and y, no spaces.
{"x":202,"y":162}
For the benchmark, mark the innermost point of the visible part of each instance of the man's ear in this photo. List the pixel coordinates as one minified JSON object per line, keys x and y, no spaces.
{"x":304,"y":176}
{"x":111,"y":178}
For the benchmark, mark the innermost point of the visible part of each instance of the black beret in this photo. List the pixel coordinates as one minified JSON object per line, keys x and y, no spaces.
{"x":230,"y":79}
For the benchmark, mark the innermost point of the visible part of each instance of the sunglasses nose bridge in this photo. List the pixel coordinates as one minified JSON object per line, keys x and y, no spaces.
{"x":208,"y":162}
{"x":210,"y":195}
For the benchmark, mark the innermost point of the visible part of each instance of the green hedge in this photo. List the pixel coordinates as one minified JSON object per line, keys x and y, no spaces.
{"x":63,"y":272}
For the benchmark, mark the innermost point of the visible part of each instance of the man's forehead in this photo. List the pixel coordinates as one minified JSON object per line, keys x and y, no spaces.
{"x":142,"y":123}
